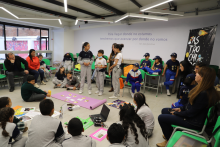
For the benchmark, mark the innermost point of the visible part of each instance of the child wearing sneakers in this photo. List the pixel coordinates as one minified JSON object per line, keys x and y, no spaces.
{"x":58,"y":80}
{"x":75,"y":128}
{"x":72,"y":82}
{"x":172,"y":70}
{"x":44,"y":67}
{"x":100,"y":65}
{"x":30,"y":93}
{"x":45,"y":131}
{"x":157,"y":66}
{"x":146,"y":62}
{"x":135,"y":78}
{"x":67,"y":62}
{"x":116,"y":135}
{"x":189,"y":84}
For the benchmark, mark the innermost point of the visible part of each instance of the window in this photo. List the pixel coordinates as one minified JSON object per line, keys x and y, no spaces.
{"x":2,"y":44}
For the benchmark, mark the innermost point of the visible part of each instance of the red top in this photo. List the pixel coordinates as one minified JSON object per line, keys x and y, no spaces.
{"x":33,"y":65}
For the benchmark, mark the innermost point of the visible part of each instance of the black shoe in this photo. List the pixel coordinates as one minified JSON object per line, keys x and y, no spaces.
{"x":11,"y":89}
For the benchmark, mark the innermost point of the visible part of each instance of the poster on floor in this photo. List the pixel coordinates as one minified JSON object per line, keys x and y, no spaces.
{"x":200,"y":45}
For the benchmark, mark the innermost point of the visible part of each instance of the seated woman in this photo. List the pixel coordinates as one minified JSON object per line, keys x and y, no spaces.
{"x":193,"y":114}
{"x":34,"y":67}
{"x":157,"y":67}
{"x":135,"y":131}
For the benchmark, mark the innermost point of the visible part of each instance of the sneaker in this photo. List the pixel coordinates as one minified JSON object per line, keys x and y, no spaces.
{"x":97,"y":92}
{"x":80,"y":92}
{"x":113,"y":97}
{"x":161,"y":84}
{"x":132,"y":94}
{"x":90,"y":92}
{"x":163,"y":144}
{"x":42,"y":83}
{"x":168,"y":92}
{"x":36,"y":85}
{"x":25,"y":129}
{"x":100,"y":93}
{"x":45,"y":79}
{"x":155,"y":73}
{"x":68,"y":89}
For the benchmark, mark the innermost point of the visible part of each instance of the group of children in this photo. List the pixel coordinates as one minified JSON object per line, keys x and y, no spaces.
{"x":133,"y":129}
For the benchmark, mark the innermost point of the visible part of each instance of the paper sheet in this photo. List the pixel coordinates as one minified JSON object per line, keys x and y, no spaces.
{"x":100,"y":134}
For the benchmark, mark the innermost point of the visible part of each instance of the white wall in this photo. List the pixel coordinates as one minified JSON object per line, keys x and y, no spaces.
{"x":175,"y":31}
{"x":68,"y":40}
{"x":58,"y":47}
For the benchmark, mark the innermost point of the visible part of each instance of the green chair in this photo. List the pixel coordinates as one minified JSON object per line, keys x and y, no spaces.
{"x":106,"y":57}
{"x":93,"y":66}
{"x":71,"y":55}
{"x":47,"y":62}
{"x":216,"y":136}
{"x":2,"y":79}
{"x":129,"y":84}
{"x":151,"y":86}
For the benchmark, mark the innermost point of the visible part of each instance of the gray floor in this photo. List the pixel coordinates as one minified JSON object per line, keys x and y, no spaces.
{"x":155,"y":103}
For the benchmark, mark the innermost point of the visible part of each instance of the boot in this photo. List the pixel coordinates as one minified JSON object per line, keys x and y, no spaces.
{"x":111,"y":90}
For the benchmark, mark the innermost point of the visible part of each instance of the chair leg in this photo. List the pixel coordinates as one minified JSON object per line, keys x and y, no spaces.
{"x":144,"y":81}
{"x":158,"y":85}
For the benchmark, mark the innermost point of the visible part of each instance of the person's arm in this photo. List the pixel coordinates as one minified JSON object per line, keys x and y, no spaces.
{"x":140,"y":78}
{"x":16,"y":135}
{"x":153,"y":66}
{"x":128,"y":78}
{"x":116,"y":62}
{"x":79,"y":59}
{"x":149,"y":64}
{"x":199,"y":104}
{"x":165,"y":68}
{"x":177,"y":71}
{"x":60,"y":134}
{"x":105,"y":64}
{"x":36,"y":90}
{"x":16,"y":120}
{"x":77,"y":82}
{"x":91,"y":59}
{"x":38,"y":66}
{"x":24,"y":62}
{"x":8,"y":65}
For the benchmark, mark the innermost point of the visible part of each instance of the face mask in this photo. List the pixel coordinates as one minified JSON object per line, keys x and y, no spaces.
{"x":100,"y":57}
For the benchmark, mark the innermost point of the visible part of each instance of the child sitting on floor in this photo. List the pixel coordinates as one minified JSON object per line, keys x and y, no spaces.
{"x":75,"y":128}
{"x":146,"y":62}
{"x":72,"y":82}
{"x":44,"y":67}
{"x":116,"y":135}
{"x":45,"y":131}
{"x":189,"y":84}
{"x":30,"y":93}
{"x":9,"y":131}
{"x":135,"y":78}
{"x":58,"y":80}
{"x":6,"y":102}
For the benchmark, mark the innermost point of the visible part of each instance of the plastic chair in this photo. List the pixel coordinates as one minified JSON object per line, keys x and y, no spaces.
{"x":47,"y":62}
{"x":129,"y":84}
{"x":2,"y":79}
{"x":151,"y":86}
{"x":106,"y":57}
{"x":197,"y":137}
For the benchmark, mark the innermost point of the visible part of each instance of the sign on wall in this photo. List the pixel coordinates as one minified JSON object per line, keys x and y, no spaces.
{"x":200,"y":45}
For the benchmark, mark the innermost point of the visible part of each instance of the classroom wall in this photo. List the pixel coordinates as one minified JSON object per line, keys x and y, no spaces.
{"x":58,"y":47}
{"x":161,"y":38}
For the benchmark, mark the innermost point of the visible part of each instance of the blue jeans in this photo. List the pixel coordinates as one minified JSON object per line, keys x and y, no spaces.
{"x":170,"y":76}
{"x":135,"y":86}
{"x":166,"y":120}
{"x":93,"y":75}
{"x":177,"y":104}
{"x":36,"y":74}
{"x":151,"y":71}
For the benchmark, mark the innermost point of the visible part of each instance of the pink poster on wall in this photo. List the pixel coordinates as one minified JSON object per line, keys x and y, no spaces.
{"x":18,"y":46}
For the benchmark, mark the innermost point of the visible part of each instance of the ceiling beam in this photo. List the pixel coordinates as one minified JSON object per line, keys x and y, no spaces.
{"x":136,"y":3}
{"x":55,"y":2}
{"x":35,"y":8}
{"x":105,"y":6}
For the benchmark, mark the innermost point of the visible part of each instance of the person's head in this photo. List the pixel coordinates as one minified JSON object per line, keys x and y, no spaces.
{"x":61,"y":69}
{"x":86,"y":46}
{"x":182,"y":65}
{"x":10,"y":56}
{"x":173,"y":56}
{"x":46,"y":107}
{"x":115,"y":133}
{"x":135,"y":67}
{"x":129,"y":118}
{"x":69,"y":75}
{"x":205,"y":79}
{"x":6,"y":115}
{"x":113,"y":48}
{"x":75,"y":127}
{"x":118,"y":47}
{"x":31,"y":54}
{"x":158,"y":59}
{"x":31,"y":79}
{"x":139,"y":100}
{"x":5,"y":102}
{"x":147,"y":56}
{"x":198,"y":65}
{"x":189,"y":80}
{"x":40,"y":57}
{"x":100,"y":53}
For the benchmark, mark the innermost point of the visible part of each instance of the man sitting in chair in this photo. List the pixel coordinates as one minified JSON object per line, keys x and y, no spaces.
{"x":13,"y":66}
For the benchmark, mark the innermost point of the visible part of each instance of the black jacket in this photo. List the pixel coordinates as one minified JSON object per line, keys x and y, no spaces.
{"x":195,"y":114}
{"x":18,"y":60}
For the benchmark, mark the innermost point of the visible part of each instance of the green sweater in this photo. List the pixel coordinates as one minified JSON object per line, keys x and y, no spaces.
{"x":28,"y":89}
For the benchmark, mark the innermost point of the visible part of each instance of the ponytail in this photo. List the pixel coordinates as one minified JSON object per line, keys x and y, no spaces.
{"x":84,"y":44}
{"x":119,"y":46}
{"x":5,"y":114}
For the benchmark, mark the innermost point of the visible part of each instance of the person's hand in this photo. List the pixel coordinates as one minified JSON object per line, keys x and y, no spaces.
{"x":176,"y":109}
{"x":74,"y":88}
{"x":141,"y":83}
{"x":88,"y":64}
{"x":176,"y":76}
{"x":36,"y":69}
{"x":26,"y":72}
{"x":48,"y":95}
{"x":85,"y":64}
{"x":162,"y":74}
{"x":126,"y":82}
{"x":42,"y":67}
{"x":44,"y":70}
{"x":58,"y":85}
{"x":141,"y":67}
{"x":12,"y":61}
{"x":172,"y":112}
{"x":107,"y":61}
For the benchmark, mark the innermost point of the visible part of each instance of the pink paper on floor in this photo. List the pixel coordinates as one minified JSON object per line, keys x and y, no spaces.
{"x":77,"y":99}
{"x":100,"y":134}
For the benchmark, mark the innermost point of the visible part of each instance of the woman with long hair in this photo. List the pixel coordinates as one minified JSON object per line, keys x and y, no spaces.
{"x":135,"y":131}
{"x":193,"y":114}
{"x":34,"y":67}
{"x":111,"y":61}
{"x":144,"y":112}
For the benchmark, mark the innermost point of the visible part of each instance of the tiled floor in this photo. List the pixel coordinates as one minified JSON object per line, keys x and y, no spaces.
{"x":155,"y":103}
